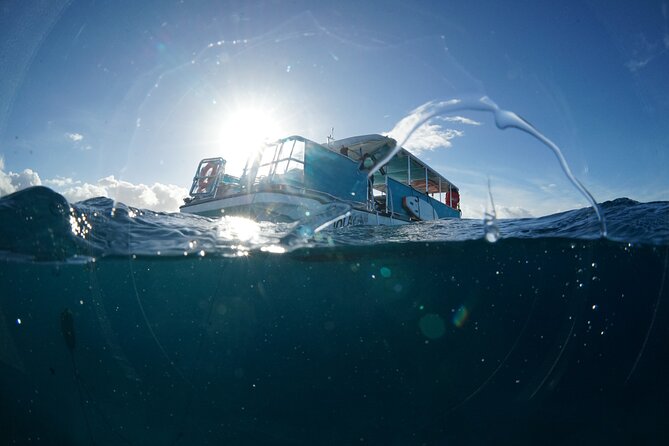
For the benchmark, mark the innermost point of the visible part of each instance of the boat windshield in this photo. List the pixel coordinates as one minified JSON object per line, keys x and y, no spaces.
{"x":281,"y":162}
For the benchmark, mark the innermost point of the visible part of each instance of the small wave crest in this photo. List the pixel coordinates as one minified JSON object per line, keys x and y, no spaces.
{"x":36,"y":222}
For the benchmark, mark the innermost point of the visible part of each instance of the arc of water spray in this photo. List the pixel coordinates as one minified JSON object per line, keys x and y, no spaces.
{"x":503,"y":119}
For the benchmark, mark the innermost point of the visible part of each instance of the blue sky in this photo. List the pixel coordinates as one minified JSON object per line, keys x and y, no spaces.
{"x":123,"y":98}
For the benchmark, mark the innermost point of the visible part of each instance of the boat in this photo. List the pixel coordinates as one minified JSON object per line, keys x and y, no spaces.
{"x":290,"y":179}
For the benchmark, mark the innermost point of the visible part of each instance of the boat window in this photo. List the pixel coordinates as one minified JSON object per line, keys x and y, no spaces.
{"x":282,"y":163}
{"x":266,"y":161}
{"x":297,"y":152}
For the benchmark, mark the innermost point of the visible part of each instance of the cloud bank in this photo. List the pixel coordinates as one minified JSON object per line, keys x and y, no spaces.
{"x":157,"y":197}
{"x":11,"y":182}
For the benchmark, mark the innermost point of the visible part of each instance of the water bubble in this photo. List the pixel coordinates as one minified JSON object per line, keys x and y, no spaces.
{"x":385,"y":272}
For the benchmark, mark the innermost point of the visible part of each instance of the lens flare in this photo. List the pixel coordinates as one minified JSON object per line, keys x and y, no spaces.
{"x":460,"y":316}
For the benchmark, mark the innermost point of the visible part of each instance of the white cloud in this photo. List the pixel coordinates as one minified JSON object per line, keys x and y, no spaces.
{"x":11,"y":182}
{"x":81,"y":192}
{"x":636,"y":65}
{"x":512,"y":212}
{"x":548,"y":188}
{"x":461,"y":120}
{"x":25,"y":179}
{"x":421,"y":130}
{"x":157,"y":197}
{"x":645,"y":50}
{"x":431,"y":136}
{"x":60,"y":182}
{"x":477,"y":210}
{"x":76,"y":137}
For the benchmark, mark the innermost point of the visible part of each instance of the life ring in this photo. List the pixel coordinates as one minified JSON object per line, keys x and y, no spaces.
{"x":455,"y":196}
{"x":206,"y":173}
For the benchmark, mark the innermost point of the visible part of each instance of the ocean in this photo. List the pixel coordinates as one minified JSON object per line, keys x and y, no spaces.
{"x":122,"y":326}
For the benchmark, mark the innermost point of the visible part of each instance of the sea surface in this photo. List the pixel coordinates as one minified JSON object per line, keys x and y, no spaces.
{"x":122,"y":326}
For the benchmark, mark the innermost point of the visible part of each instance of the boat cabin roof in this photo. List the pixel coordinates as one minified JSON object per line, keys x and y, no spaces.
{"x":404,"y":166}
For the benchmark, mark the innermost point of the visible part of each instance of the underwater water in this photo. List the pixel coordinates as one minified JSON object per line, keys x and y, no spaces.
{"x":125,"y":326}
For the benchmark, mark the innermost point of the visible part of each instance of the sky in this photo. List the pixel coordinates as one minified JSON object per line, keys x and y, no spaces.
{"x":123,"y":98}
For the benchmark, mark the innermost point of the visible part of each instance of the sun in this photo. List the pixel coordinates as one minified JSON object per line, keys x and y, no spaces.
{"x":243,"y":132}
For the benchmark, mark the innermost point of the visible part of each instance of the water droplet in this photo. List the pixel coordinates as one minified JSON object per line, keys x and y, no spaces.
{"x":491,"y":229}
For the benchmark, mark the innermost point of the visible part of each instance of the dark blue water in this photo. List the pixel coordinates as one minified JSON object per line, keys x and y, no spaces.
{"x":124,"y":326}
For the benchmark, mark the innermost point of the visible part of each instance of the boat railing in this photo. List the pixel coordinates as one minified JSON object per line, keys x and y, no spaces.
{"x":207,"y":177}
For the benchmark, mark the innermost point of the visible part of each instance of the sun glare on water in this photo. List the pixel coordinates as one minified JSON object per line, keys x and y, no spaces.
{"x":243,"y":132}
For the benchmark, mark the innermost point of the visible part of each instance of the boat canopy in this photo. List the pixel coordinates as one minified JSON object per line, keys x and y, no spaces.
{"x":403,"y":166}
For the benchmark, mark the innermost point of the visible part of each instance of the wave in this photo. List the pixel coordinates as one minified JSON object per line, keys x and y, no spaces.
{"x":40,"y":224}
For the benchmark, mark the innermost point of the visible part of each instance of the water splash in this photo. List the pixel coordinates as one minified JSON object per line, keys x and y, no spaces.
{"x":490,"y":227}
{"x":316,"y":220}
{"x":503,"y":119}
